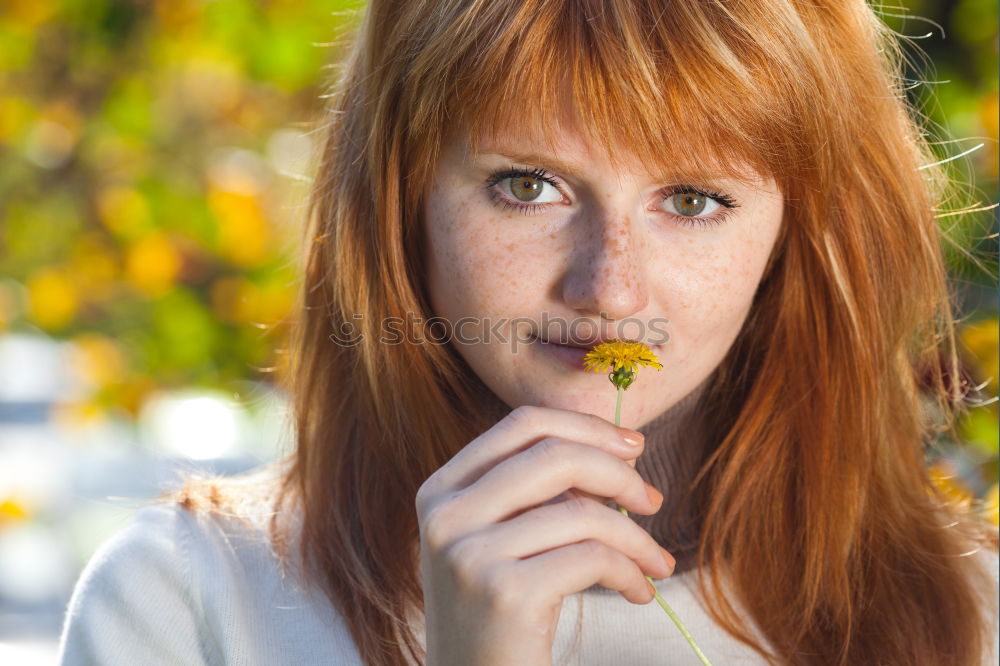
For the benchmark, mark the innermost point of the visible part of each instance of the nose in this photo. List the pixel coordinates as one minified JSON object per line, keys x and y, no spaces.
{"x":607,"y":277}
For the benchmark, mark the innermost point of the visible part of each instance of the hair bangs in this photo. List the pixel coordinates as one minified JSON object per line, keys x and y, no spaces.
{"x":685,"y":102}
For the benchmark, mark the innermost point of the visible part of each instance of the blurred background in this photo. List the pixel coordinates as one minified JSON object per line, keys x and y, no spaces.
{"x":154,"y":163}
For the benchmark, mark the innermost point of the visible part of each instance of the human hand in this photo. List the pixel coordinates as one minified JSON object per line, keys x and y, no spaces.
{"x":500,"y":550}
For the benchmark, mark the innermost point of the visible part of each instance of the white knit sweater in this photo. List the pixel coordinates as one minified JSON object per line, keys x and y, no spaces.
{"x":188,"y":589}
{"x":180,"y":589}
{"x":176,"y":588}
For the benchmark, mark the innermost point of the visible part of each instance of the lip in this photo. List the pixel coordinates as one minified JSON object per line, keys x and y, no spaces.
{"x":569,"y":356}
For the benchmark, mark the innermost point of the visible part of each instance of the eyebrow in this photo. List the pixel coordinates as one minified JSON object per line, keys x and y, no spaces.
{"x":545,"y":161}
{"x":552,"y":163}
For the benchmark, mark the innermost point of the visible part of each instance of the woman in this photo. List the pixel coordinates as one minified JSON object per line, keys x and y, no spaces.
{"x":738,"y":184}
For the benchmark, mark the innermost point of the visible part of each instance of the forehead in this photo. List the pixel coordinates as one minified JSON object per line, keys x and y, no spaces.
{"x":568,"y":149}
{"x":683,"y":147}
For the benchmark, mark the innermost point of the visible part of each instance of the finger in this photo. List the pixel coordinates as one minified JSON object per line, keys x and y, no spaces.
{"x":526,"y":425}
{"x":571,"y":569}
{"x":548,"y":468}
{"x":572,"y":521}
{"x":573,"y":493}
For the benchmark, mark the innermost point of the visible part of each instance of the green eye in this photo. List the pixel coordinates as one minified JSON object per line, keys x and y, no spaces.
{"x":689,"y":203}
{"x":525,"y":188}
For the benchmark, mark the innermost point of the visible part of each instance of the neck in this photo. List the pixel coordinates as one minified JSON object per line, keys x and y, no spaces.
{"x":675,"y":449}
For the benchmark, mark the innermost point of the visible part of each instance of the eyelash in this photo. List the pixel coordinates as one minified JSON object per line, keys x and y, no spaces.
{"x":514,"y":172}
{"x":727,"y":202}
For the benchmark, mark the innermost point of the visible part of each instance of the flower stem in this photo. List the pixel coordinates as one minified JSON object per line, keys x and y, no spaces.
{"x":618,"y":407}
{"x":659,"y":599}
{"x":680,"y":625}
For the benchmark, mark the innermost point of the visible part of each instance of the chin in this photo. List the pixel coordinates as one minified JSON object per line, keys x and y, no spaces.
{"x":598,"y":403}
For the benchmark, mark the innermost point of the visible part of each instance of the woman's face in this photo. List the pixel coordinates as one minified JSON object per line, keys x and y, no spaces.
{"x":526,"y":245}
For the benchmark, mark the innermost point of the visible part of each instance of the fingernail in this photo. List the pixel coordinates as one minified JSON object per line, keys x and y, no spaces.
{"x":632,"y":437}
{"x":655,"y":496}
{"x":669,"y":559}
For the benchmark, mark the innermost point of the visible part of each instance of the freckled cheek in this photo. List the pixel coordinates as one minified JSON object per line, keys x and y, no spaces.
{"x":740,"y":283}
{"x":705,"y":294}
{"x":476,"y":270}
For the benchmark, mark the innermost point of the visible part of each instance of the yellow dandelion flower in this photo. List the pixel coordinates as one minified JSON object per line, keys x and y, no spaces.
{"x":616,"y":354}
{"x":53,"y":298}
{"x":623,"y":358}
{"x":13,"y":511}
